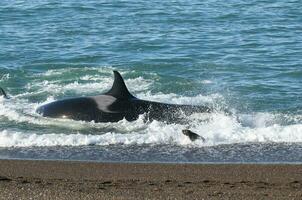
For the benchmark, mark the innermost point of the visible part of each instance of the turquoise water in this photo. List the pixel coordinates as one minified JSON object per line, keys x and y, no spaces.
{"x":233,"y":55}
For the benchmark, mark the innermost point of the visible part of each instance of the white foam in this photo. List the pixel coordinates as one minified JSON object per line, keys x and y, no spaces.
{"x":95,"y":85}
{"x":5,"y":77}
{"x":216,"y":128}
{"x":158,"y":133}
{"x":56,"y":72}
{"x":257,"y":120}
{"x":206,"y":82}
{"x":177,"y":99}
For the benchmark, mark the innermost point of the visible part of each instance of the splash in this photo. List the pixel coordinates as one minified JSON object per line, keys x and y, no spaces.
{"x":217,"y":128}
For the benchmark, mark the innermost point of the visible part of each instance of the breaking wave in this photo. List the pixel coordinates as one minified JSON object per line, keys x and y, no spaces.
{"x":22,"y":127}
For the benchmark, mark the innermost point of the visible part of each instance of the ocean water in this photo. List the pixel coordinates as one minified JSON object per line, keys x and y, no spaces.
{"x":240,"y":56}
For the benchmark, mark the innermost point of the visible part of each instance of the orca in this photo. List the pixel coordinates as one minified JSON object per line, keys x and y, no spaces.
{"x":117,"y":104}
{"x":3,"y":93}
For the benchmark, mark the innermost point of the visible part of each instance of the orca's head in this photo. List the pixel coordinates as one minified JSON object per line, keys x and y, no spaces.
{"x":54,"y":109}
{"x":74,"y":108}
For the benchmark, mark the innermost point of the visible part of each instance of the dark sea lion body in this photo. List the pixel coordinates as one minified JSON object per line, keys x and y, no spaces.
{"x":193,"y":136}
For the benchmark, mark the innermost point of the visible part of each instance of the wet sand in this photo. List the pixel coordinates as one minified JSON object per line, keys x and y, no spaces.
{"x":21,"y":179}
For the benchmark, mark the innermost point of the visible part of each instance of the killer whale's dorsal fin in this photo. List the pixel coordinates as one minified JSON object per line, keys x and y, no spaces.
{"x":2,"y":93}
{"x":119,"y":89}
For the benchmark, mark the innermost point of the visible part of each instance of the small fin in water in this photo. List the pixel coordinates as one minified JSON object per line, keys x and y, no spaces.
{"x":193,"y":136}
{"x":2,"y":93}
{"x":119,"y":89}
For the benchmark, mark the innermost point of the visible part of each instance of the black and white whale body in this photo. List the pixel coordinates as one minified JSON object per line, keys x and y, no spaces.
{"x":3,"y":93}
{"x":116,"y":104}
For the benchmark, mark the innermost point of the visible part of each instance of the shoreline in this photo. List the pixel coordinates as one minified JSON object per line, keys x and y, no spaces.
{"x":152,"y":162}
{"x":44,"y":179}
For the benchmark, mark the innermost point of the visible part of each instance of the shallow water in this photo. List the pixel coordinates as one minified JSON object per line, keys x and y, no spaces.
{"x":240,"y":56}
